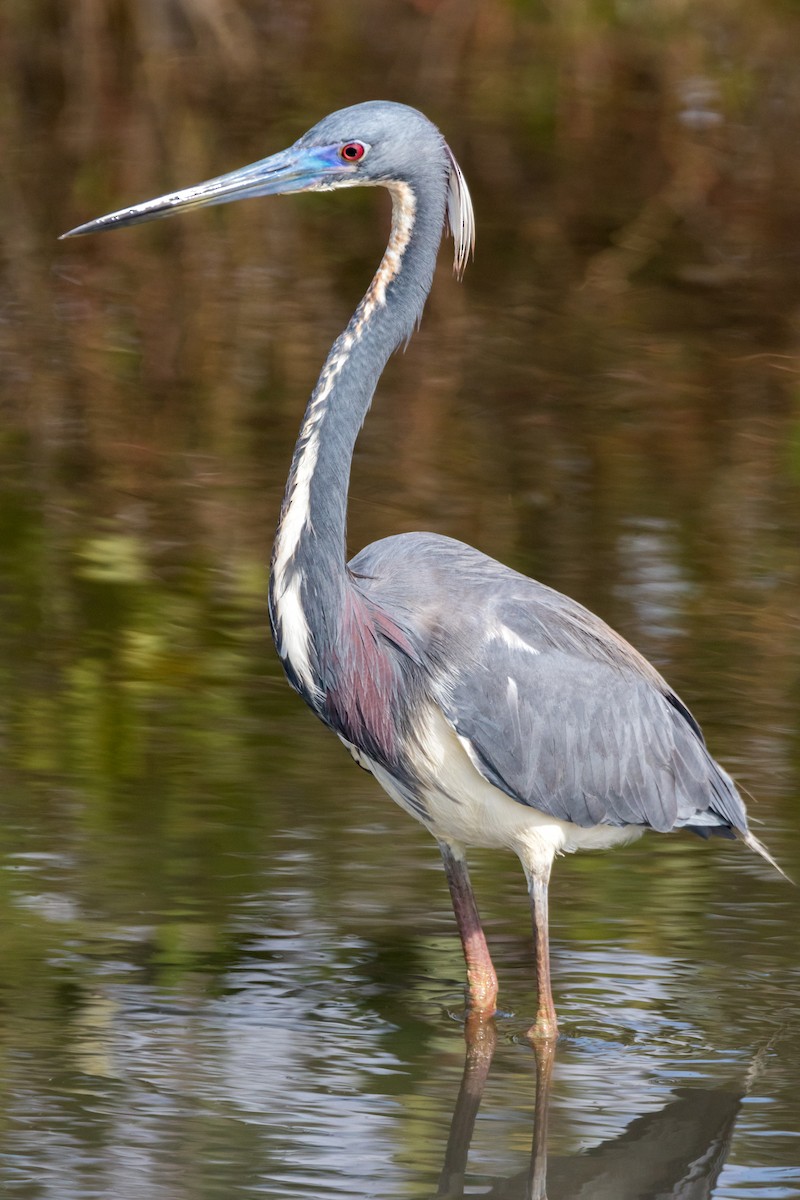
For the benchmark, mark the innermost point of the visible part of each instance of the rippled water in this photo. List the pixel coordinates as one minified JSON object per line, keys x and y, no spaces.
{"x":307,"y":1039}
{"x":230,"y":966}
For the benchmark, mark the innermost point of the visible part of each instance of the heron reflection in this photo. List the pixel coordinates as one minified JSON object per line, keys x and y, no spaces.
{"x":677,"y":1152}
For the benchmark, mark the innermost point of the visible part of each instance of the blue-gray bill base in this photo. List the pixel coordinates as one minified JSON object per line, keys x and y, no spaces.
{"x":494,"y":710}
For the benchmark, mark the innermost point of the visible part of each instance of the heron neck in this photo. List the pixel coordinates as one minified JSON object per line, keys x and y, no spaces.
{"x":309,"y":558}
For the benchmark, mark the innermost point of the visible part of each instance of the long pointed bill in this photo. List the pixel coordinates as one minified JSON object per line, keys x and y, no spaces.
{"x":297,"y":169}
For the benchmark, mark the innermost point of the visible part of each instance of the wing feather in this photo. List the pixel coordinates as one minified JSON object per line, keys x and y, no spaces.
{"x":584,"y":738}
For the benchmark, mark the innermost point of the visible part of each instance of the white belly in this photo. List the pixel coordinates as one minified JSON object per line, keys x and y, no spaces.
{"x":464,"y":809}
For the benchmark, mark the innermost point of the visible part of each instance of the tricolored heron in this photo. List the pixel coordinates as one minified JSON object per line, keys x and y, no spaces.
{"x":494,"y":710}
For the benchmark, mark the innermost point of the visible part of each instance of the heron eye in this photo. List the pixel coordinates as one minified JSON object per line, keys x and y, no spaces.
{"x":352,"y":152}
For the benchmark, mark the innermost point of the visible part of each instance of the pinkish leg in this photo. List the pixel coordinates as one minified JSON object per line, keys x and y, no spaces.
{"x":481,"y":977}
{"x":546,"y":1025}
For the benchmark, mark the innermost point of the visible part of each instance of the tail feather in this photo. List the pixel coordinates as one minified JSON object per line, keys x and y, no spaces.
{"x":752,"y":843}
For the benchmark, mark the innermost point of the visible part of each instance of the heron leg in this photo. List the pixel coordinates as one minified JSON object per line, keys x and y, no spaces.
{"x":481,"y":977}
{"x":546,"y":1025}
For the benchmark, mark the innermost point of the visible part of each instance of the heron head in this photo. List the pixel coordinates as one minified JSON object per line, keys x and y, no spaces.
{"x":375,"y":143}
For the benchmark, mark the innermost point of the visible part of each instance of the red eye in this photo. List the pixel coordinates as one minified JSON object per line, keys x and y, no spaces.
{"x":352,"y":151}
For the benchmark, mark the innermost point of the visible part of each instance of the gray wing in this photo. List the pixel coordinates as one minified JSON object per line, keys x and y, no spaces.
{"x":553,"y":707}
{"x":585,"y":742}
